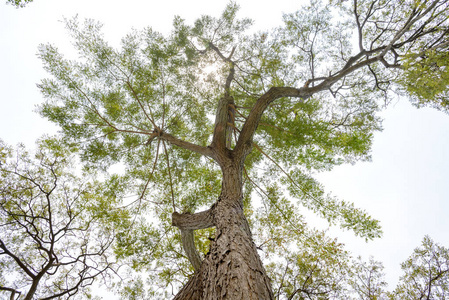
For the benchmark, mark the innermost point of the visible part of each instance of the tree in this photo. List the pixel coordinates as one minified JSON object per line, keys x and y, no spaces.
{"x":220,"y":131}
{"x":53,"y":239}
{"x":367,"y":279}
{"x":321,"y":269}
{"x":426,"y":273}
{"x":318,"y":269}
{"x":426,"y":276}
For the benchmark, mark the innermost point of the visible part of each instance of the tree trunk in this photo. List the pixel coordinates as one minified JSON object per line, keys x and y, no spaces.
{"x":232,"y":269}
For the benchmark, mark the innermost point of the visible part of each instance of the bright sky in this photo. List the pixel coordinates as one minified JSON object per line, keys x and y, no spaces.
{"x":405,"y":186}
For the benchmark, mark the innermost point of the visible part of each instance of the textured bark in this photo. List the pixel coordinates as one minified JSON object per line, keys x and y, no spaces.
{"x":232,"y":269}
{"x":223,"y":120}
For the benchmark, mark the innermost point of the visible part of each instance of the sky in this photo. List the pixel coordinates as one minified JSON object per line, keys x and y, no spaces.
{"x":405,"y":186}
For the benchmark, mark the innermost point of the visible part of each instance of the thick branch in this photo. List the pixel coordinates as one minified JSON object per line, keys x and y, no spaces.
{"x":206,"y":151}
{"x":245,"y":138}
{"x":187,"y":223}
{"x":222,"y":119}
{"x":188,"y":243}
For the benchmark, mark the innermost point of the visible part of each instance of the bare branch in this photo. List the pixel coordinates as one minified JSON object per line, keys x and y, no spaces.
{"x":13,"y":292}
{"x":19,"y":262}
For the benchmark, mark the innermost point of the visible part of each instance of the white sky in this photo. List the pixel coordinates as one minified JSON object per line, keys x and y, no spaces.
{"x":405,"y":186}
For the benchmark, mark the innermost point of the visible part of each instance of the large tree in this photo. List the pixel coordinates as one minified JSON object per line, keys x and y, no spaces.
{"x":220,"y":130}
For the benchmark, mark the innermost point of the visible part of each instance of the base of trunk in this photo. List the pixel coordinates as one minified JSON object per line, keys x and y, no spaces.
{"x":232,"y":269}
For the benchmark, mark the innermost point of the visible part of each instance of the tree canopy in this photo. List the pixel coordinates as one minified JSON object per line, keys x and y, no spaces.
{"x":213,"y":105}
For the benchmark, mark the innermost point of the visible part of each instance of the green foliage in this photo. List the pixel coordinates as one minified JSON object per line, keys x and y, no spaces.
{"x":426,"y":273}
{"x":316,"y":269}
{"x":426,"y":78}
{"x":113,"y":98}
{"x":319,"y":268}
{"x":115,"y":106}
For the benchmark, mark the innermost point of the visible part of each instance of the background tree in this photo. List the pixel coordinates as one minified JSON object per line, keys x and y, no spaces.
{"x":367,"y":279}
{"x":286,"y":104}
{"x":321,"y":269}
{"x":54,"y":238}
{"x":426,"y":273}
{"x":317,"y":269}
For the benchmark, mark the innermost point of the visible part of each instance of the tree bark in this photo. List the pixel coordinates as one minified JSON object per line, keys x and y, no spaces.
{"x":232,"y":269}
{"x":32,"y":290}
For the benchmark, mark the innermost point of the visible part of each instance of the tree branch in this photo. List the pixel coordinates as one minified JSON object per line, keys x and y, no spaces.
{"x":16,"y":259}
{"x":206,"y":151}
{"x":224,"y":115}
{"x":244,"y":141}
{"x":187,"y":223}
{"x":13,"y":292}
{"x":201,"y":220}
{"x":188,"y":243}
